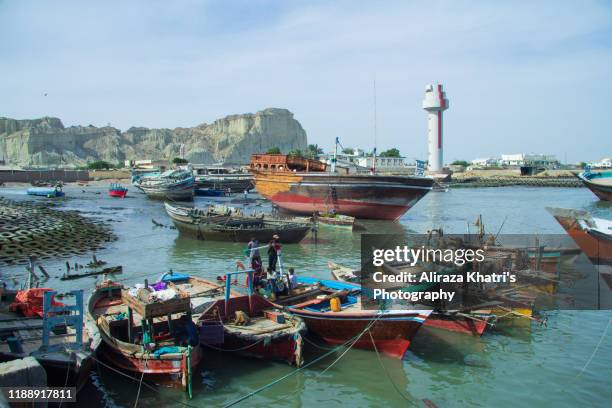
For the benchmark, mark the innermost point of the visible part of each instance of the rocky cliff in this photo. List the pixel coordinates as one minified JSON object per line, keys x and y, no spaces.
{"x":46,"y":142}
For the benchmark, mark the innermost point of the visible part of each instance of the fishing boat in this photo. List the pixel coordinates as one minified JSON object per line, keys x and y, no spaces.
{"x":209,"y":192}
{"x":333,"y":311}
{"x":254,"y":327}
{"x":33,"y":323}
{"x":592,"y":235}
{"x":335,"y":220}
{"x":48,"y":192}
{"x":175,"y":185}
{"x":232,"y":225}
{"x":468,"y":322}
{"x":202,"y":292}
{"x":306,"y":186}
{"x":140,"y":329}
{"x":220,"y":178}
{"x":600,"y":183}
{"x":117,"y":190}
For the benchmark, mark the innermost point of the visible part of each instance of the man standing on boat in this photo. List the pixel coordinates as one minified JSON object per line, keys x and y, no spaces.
{"x":273,"y":251}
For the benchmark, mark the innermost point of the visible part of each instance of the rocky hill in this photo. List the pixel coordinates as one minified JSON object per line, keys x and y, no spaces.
{"x":46,"y":142}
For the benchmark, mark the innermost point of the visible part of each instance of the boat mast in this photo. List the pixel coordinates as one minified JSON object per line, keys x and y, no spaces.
{"x":335,"y":158}
{"x":375,"y":132}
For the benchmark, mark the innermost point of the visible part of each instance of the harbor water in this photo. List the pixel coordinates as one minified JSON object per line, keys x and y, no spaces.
{"x":564,"y":364}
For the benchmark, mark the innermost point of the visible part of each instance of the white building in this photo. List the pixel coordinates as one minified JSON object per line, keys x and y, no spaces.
{"x":605,"y":163}
{"x":531,"y":159}
{"x":485,"y":162}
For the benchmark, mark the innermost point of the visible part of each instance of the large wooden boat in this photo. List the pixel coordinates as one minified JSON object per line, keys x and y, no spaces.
{"x":267,"y":333}
{"x":389,"y":331}
{"x":66,"y":358}
{"x":592,"y":235}
{"x":210,"y":224}
{"x":141,"y":336}
{"x":175,"y":185}
{"x":305,"y":186}
{"x":220,"y":178}
{"x":600,"y":183}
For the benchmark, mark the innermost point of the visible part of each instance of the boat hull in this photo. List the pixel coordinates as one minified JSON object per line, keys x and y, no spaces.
{"x":459,"y":324}
{"x":601,"y":190}
{"x":221,"y":183}
{"x":392,"y":334}
{"x":597,"y":248}
{"x":360,"y":196}
{"x":117,"y":193}
{"x":207,"y":233}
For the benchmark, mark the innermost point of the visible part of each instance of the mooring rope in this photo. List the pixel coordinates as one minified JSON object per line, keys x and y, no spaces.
{"x":138,"y":393}
{"x":233,"y":350}
{"x":352,"y":342}
{"x":603,"y":335}
{"x":145,"y":384}
{"x":387,"y":372}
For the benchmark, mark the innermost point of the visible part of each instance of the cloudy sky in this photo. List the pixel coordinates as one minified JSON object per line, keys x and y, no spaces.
{"x":520,"y":76}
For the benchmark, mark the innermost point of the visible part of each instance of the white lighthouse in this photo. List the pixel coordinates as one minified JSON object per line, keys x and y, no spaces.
{"x":435,"y":103}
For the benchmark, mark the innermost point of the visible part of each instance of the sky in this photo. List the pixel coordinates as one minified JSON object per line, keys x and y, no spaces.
{"x":521,"y":76}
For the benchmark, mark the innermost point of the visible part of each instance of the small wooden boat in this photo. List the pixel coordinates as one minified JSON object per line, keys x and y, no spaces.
{"x":335,"y":220}
{"x":48,"y":192}
{"x":117,"y":190}
{"x":267,"y":333}
{"x":146,"y":336}
{"x":209,"y":192}
{"x":26,"y":315}
{"x":212,"y":225}
{"x":389,"y":331}
{"x":344,"y":273}
{"x":600,"y":183}
{"x":592,"y":235}
{"x":176,"y":185}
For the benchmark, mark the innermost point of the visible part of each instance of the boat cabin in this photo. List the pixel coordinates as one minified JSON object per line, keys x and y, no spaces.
{"x":283,"y":162}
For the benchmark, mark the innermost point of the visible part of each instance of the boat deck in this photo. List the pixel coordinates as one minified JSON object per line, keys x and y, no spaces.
{"x":261,"y":326}
{"x":30,"y":331}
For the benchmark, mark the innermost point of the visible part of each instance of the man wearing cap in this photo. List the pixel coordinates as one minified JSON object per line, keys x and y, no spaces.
{"x":273,"y":251}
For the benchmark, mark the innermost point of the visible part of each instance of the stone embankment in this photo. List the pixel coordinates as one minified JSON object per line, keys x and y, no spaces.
{"x":30,"y":229}
{"x":516,"y":181}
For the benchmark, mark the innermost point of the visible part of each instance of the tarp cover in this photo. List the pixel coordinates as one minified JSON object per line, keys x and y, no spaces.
{"x":30,"y":302}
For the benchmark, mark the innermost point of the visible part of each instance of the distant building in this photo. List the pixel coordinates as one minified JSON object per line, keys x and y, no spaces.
{"x":605,"y":163}
{"x":147,"y":164}
{"x":535,"y":160}
{"x":485,"y":162}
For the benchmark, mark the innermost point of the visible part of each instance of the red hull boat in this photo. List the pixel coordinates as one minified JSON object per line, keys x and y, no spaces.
{"x":117,"y":190}
{"x":592,"y":235}
{"x":388,"y":331}
{"x":269,"y":334}
{"x":305,"y":187}
{"x":473,"y":326}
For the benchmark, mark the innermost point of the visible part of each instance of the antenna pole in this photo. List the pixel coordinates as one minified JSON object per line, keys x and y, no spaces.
{"x":375,"y":131}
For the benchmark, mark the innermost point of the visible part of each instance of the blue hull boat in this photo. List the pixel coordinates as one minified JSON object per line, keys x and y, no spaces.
{"x":46,"y":192}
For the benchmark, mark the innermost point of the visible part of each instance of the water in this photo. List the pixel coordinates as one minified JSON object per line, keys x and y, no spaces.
{"x":534,"y":366}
